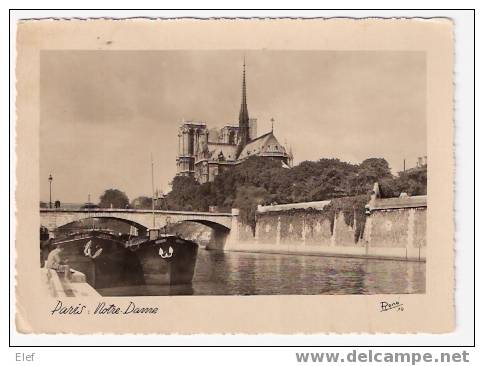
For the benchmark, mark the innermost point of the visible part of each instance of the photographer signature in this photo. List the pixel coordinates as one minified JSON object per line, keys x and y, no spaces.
{"x":386,"y":306}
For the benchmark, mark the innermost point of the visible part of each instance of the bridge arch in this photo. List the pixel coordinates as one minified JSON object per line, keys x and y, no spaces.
{"x":219,"y":232}
{"x":211,"y":224}
{"x":139,"y":227}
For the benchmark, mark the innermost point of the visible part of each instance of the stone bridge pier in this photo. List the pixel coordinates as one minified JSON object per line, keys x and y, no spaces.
{"x":222,"y":238}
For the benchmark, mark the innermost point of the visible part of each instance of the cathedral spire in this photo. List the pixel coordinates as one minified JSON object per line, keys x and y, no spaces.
{"x":243,"y":115}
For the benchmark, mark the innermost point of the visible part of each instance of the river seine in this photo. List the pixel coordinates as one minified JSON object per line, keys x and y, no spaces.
{"x":237,"y":273}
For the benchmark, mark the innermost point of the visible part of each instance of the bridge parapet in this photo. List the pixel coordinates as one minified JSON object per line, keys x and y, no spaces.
{"x":55,"y":218}
{"x":132,"y":210}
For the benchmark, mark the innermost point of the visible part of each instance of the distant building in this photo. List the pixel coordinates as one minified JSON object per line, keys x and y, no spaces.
{"x":419,"y":166}
{"x":203,"y":153}
{"x":422,"y":161}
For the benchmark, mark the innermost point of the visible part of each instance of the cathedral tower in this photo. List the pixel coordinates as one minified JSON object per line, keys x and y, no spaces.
{"x":244,"y":130}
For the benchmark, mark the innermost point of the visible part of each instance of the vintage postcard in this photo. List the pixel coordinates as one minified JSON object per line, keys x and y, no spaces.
{"x":235,"y":176}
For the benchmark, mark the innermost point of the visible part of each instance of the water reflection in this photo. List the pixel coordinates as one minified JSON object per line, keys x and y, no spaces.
{"x":236,"y":273}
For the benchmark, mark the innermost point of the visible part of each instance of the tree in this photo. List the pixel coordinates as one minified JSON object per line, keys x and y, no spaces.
{"x":246,"y":200}
{"x":184,"y":194}
{"x":113,"y":198}
{"x":320,"y":180}
{"x":142,"y":202}
{"x":370,"y":171}
{"x":412,"y":182}
{"x":375,"y":167}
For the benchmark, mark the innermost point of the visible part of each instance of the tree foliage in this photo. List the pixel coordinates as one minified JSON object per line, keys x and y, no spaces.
{"x":142,"y":202}
{"x":264,"y":181}
{"x":246,"y":200}
{"x":412,"y":182}
{"x":185,"y":195}
{"x":113,"y":198}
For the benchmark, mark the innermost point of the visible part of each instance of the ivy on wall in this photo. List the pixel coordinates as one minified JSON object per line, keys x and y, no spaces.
{"x":352,"y":208}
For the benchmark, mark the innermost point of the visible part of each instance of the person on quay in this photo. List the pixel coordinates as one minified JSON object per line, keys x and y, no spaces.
{"x":54,"y":261}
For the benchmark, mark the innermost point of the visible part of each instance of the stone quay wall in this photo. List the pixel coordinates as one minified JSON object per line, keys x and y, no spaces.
{"x":397,"y":232}
{"x":393,"y":229}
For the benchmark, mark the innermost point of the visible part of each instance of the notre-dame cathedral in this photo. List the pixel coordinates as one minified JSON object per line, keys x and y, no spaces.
{"x":203,"y":152}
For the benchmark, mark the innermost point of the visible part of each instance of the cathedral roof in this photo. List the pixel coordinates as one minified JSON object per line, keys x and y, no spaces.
{"x":228,"y":150}
{"x":265,"y":145}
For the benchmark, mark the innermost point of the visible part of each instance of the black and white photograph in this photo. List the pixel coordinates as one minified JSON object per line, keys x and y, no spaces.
{"x":187,"y":176}
{"x":233,"y":172}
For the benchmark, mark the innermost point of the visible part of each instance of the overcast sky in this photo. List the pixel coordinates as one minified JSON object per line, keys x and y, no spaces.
{"x":104,"y":112}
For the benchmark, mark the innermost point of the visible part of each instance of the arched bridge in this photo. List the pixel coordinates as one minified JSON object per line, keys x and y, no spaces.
{"x":141,"y":219}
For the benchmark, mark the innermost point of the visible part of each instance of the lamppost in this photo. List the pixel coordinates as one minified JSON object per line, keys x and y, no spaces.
{"x":50,"y":190}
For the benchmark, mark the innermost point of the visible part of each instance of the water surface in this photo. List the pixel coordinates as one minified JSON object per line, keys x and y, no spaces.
{"x":238,"y":273}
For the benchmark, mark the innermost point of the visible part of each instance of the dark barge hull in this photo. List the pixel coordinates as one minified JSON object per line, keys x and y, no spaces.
{"x":175,"y":269}
{"x":114,"y":266}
